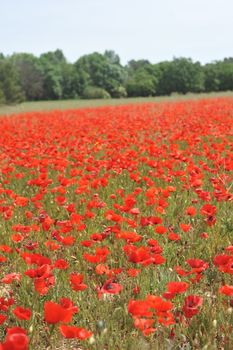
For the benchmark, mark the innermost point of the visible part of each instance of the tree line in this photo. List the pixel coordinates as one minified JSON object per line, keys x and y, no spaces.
{"x":25,"y":77}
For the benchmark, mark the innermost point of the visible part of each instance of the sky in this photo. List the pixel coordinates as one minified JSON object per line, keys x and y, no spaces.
{"x":156,"y":30}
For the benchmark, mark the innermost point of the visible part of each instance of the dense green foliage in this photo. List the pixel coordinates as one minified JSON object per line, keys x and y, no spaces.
{"x":24,"y":76}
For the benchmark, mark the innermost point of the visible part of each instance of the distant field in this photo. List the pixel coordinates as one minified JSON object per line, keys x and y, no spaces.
{"x":74,"y":104}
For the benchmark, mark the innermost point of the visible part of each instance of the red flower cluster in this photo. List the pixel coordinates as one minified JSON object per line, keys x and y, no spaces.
{"x":127,"y":205}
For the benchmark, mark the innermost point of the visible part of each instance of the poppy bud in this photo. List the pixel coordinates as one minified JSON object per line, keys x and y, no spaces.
{"x":100,"y":326}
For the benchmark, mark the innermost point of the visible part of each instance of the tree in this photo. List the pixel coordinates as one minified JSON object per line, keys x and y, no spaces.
{"x":51,"y":64}
{"x":30,"y":75}
{"x":112,"y":57}
{"x":211,"y":74}
{"x":68,"y":82}
{"x":2,"y":96}
{"x":142,"y":83}
{"x":95,"y":92}
{"x":225,"y":74}
{"x":180,"y":75}
{"x":10,"y":89}
{"x":100,"y":72}
{"x":51,"y":77}
{"x":134,"y":65}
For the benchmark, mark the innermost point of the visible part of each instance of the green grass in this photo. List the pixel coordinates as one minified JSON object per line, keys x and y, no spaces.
{"x":75,"y":104}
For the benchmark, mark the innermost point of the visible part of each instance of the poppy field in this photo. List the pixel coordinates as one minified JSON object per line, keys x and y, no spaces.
{"x":116,"y":227}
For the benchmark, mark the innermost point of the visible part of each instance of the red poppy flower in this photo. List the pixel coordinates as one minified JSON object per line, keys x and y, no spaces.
{"x":9,"y":278}
{"x":76,"y":282}
{"x":22,"y":313}
{"x":208,"y":210}
{"x":191,"y":211}
{"x":221,"y":260}
{"x":42,"y":286}
{"x":160,"y":229}
{"x":69,"y":305}
{"x":185,"y":227}
{"x":2,"y":318}
{"x":137,"y":255}
{"x":198,"y":265}
{"x":101,"y":269}
{"x":144,"y":324}
{"x":133,"y":272}
{"x":61,"y":264}
{"x":74,"y":332}
{"x":6,"y":248}
{"x":174,"y":288}
{"x":110,"y":287}
{"x":174,"y":236}
{"x":227,"y":290}
{"x":99,"y":257}
{"x":159,"y":304}
{"x":192,"y":305}
{"x":227,"y":268}
{"x":55,"y":313}
{"x":140,"y":308}
{"x":21,"y":201}
{"x":2,"y":259}
{"x":16,"y":339}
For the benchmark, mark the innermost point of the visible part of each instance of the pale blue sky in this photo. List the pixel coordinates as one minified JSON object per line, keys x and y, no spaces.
{"x":153,"y":29}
